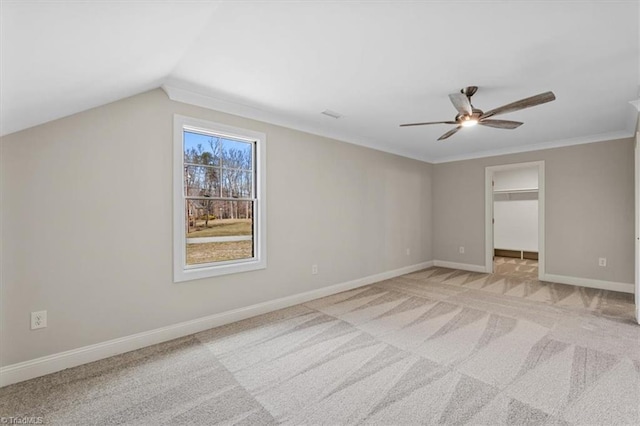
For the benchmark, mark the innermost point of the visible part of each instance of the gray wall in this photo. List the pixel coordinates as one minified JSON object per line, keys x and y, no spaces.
{"x":86,"y":218}
{"x":589,"y":209}
{"x":86,"y":221}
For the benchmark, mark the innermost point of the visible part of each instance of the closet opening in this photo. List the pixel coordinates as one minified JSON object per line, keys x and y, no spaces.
{"x":515,"y":225}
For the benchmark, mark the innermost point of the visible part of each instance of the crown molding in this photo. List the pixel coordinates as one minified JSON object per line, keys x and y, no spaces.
{"x":610,"y":136}
{"x":181,"y":91}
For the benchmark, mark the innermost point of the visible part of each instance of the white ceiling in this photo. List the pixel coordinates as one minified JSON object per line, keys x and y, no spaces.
{"x":377,"y":63}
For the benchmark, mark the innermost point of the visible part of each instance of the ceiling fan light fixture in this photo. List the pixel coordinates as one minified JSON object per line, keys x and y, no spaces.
{"x":469,"y":122}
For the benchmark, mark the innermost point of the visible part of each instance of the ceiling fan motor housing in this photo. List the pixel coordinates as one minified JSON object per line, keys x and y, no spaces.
{"x":475,"y":115}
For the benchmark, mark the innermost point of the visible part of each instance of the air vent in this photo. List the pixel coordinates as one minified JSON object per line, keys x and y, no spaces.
{"x":331,"y":114}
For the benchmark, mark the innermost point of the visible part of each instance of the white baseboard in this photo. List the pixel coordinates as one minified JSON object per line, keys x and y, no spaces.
{"x":562,"y":279}
{"x":591,"y":283}
{"x":51,"y":363}
{"x":461,"y":266}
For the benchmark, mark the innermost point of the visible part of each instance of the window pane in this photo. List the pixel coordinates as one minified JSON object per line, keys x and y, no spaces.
{"x":202,"y":149}
{"x":202,"y":181}
{"x":218,"y":231}
{"x":245,"y":185}
{"x":237,"y":154}
{"x":236,"y":183}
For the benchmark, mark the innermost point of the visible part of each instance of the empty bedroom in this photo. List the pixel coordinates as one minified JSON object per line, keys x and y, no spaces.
{"x":319,"y":212}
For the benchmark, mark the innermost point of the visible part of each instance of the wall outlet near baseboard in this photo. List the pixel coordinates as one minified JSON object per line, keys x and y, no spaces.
{"x":602,"y":261}
{"x":461,"y":249}
{"x":38,"y":319}
{"x":314,"y":269}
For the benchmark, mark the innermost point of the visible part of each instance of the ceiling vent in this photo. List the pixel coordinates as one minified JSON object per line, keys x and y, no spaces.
{"x":331,"y":114}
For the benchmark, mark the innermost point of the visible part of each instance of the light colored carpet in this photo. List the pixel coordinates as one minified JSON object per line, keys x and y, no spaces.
{"x":521,"y":268}
{"x":438,"y":346}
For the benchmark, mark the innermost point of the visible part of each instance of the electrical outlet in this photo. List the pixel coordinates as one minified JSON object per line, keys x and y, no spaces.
{"x":602,"y":261}
{"x":408,"y":251}
{"x":461,"y":250}
{"x":38,"y":319}
{"x":314,"y":269}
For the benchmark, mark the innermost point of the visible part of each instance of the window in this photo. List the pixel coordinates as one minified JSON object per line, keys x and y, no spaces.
{"x":219,"y":199}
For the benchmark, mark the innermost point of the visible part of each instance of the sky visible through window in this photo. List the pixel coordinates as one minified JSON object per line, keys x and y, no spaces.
{"x":192,"y":140}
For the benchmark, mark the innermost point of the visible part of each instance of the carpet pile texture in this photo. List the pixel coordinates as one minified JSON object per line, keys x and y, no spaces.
{"x":438,"y":346}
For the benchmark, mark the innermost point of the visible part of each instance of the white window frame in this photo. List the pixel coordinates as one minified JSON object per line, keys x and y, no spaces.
{"x":182,"y":271}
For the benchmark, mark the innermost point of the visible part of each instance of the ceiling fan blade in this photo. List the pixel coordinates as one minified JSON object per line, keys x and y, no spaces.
{"x":501,"y":124}
{"x":461,"y":102}
{"x":430,"y":122}
{"x":449,"y":133}
{"x":521,"y":104}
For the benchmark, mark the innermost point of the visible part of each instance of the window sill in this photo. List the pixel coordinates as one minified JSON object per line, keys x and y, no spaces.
{"x":182,"y":275}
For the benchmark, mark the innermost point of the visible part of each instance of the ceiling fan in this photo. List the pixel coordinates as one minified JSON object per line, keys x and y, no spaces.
{"x":469,"y":116}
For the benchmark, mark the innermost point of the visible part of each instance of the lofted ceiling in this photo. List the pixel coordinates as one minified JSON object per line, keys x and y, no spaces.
{"x":379,"y":64}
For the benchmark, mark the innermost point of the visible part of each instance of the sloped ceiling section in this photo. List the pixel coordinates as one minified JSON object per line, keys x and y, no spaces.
{"x":379,"y":64}
{"x":63,"y":57}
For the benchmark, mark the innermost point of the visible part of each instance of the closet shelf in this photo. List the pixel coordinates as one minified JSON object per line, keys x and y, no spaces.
{"x":507,"y":191}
